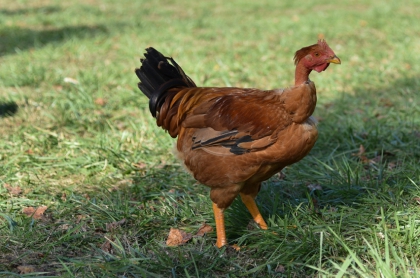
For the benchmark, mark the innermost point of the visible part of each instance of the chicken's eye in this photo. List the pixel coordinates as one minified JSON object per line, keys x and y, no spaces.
{"x":316,"y":54}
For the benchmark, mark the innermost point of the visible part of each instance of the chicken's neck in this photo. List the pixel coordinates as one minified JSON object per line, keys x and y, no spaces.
{"x":301,"y":73}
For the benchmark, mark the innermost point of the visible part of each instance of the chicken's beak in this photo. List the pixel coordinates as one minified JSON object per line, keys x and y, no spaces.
{"x":334,"y":60}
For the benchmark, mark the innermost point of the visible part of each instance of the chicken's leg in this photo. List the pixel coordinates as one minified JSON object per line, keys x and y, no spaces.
{"x":249,"y":202}
{"x":219,"y":217}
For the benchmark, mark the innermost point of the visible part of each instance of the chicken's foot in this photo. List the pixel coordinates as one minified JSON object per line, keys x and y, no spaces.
{"x":249,"y":202}
{"x":219,"y":217}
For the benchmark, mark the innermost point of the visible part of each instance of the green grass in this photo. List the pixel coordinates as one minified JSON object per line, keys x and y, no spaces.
{"x":95,"y":163}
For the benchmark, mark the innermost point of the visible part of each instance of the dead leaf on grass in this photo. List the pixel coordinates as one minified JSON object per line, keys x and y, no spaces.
{"x":140,"y":165}
{"x":177,"y":237}
{"x":35,"y":213}
{"x":79,"y":218}
{"x":14,"y":190}
{"x":114,"y":225}
{"x":280,"y":269}
{"x":236,"y":247}
{"x":204,"y":229}
{"x":25,"y":269}
{"x":101,"y":101}
{"x":361,"y":154}
{"x":107,"y":246}
{"x":417,"y":199}
{"x":64,"y":227}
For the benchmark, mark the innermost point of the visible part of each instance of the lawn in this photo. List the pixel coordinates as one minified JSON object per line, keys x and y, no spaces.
{"x":89,"y":186}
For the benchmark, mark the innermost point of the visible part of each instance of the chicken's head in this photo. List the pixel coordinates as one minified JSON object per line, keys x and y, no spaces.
{"x":317,"y":56}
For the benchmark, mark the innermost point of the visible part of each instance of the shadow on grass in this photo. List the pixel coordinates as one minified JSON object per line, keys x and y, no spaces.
{"x":30,"y":10}
{"x":8,"y":109}
{"x":15,"y":38}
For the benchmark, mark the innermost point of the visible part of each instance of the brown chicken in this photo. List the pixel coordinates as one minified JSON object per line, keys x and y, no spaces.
{"x":232,"y":139}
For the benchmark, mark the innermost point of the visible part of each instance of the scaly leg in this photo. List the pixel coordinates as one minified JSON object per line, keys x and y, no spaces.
{"x":249,"y":202}
{"x":220,"y":226}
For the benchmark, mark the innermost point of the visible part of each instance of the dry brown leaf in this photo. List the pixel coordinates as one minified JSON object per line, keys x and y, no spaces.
{"x":417,"y":199}
{"x":79,"y":218}
{"x":58,"y":87}
{"x":361,"y":154}
{"x":177,"y":237}
{"x":140,"y":165}
{"x":14,"y":190}
{"x":107,"y":246}
{"x":236,"y":247}
{"x":25,"y":269}
{"x":35,"y":213}
{"x":101,"y":101}
{"x":113,"y":225}
{"x":280,"y":268}
{"x":392,"y":165}
{"x":64,"y":227}
{"x":204,"y":229}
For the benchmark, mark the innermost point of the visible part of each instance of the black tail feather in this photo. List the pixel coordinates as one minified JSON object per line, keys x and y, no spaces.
{"x":158,"y":74}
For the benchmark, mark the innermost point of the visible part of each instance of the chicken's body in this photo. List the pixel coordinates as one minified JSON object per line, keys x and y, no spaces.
{"x":229,"y":173}
{"x":231,"y":139}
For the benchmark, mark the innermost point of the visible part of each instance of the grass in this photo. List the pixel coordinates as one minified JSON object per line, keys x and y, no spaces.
{"x":77,"y":137}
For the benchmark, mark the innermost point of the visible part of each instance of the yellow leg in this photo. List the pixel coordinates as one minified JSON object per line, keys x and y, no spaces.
{"x":249,"y":202}
{"x":220,"y":226}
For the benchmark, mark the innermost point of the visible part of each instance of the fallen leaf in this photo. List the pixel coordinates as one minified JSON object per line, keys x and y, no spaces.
{"x":204,"y":229}
{"x":101,"y":101}
{"x":107,"y":246}
{"x":14,"y":190}
{"x":280,"y":268}
{"x":177,"y":237}
{"x":417,"y":199}
{"x":363,"y":23}
{"x":140,"y":165}
{"x":35,"y":213}
{"x":236,"y":247}
{"x":392,"y":165}
{"x":315,"y":203}
{"x":25,"y":269}
{"x":79,"y":218}
{"x":386,"y":102}
{"x":361,"y":154}
{"x":64,"y":227}
{"x":114,"y":225}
